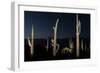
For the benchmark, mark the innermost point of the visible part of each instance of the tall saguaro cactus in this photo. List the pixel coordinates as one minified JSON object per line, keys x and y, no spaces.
{"x":55,"y":49}
{"x":31,"y":41}
{"x":78,"y":31}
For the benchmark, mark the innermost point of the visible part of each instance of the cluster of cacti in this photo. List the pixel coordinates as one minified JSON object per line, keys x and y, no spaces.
{"x":54,"y":40}
{"x":70,"y":49}
{"x":31,"y":41}
{"x":78,"y":31}
{"x":66,"y":50}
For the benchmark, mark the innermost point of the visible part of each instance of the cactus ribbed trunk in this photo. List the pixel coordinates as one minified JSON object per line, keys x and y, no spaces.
{"x":77,"y":46}
{"x":78,"y":30}
{"x":32,"y":36}
{"x":55,"y":38}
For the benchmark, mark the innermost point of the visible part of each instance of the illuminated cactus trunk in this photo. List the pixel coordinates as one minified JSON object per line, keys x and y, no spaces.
{"x":55,"y":49}
{"x":31,"y":42}
{"x":78,"y":30}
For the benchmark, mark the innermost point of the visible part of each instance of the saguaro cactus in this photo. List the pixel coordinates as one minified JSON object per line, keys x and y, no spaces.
{"x":31,"y":42}
{"x":78,"y":31}
{"x":55,"y":49}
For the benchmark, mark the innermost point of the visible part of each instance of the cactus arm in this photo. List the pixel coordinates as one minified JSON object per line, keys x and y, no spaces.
{"x":29,"y":42}
{"x":30,"y":45}
{"x":57,"y":48}
{"x":79,"y":27}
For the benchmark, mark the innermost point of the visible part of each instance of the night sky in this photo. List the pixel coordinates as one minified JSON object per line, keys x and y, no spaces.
{"x":43,"y":23}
